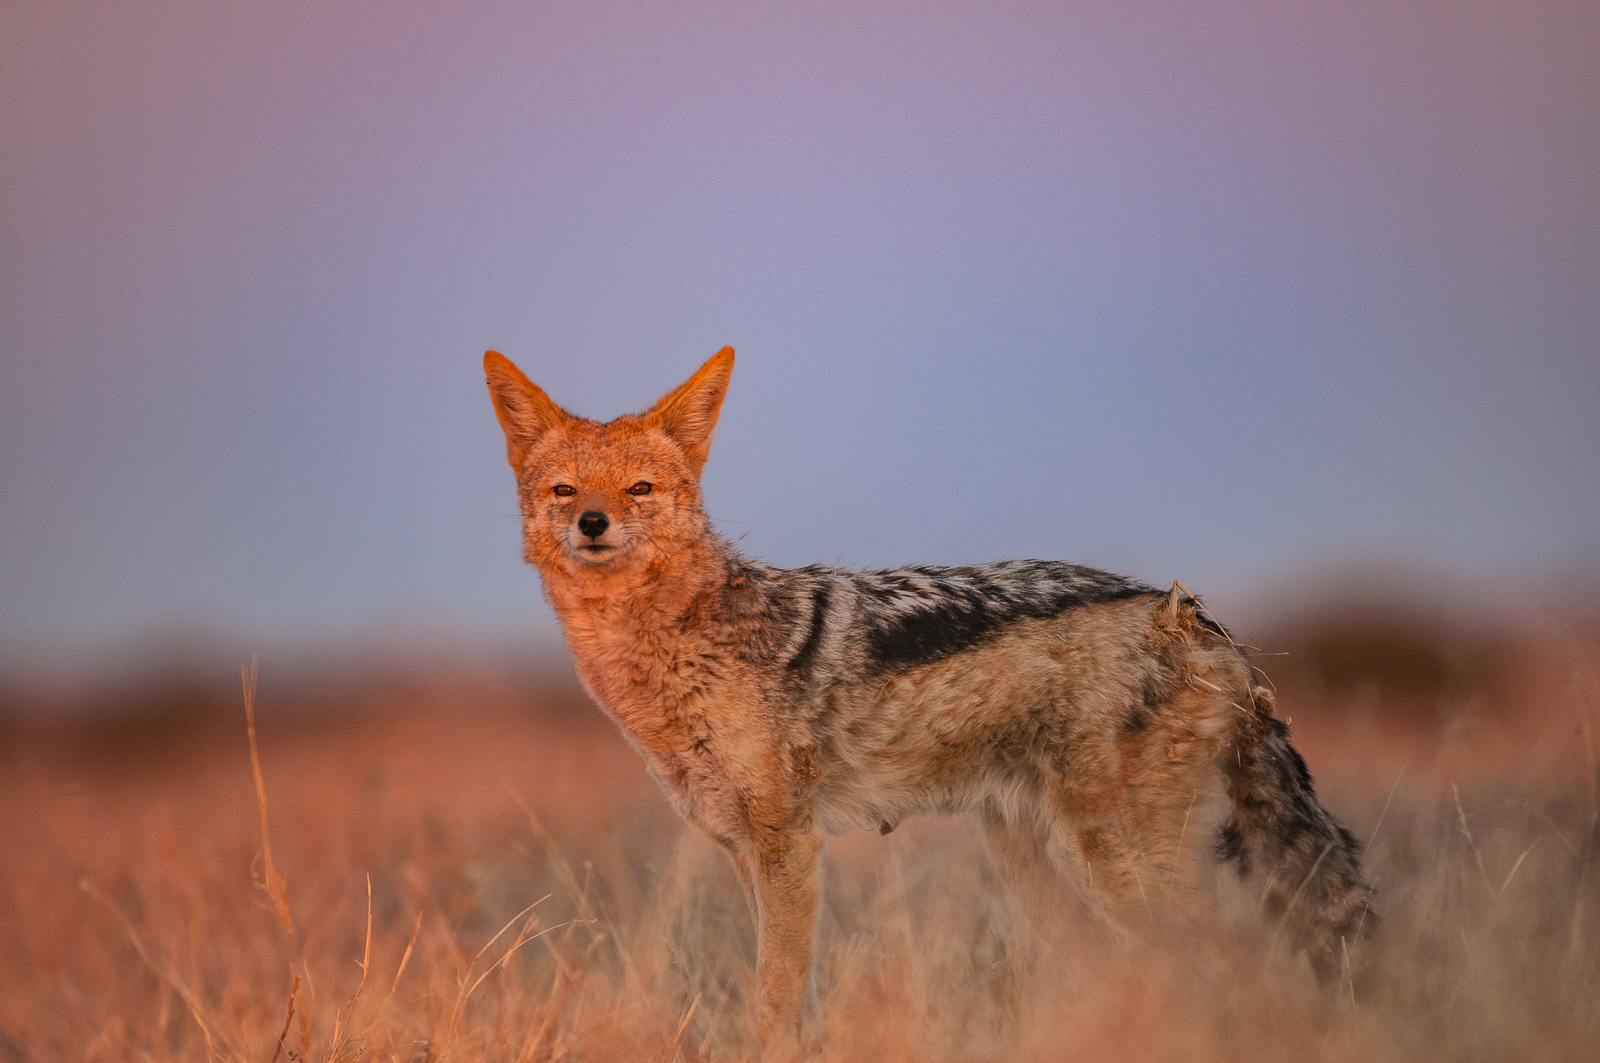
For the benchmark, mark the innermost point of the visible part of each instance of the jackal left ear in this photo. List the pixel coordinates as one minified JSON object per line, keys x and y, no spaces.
{"x":688,"y":412}
{"x":524,"y":411}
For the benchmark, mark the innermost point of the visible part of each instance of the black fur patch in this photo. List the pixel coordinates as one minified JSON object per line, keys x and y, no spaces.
{"x":1230,"y":846}
{"x":1157,"y":688}
{"x":1209,"y":622}
{"x":922,"y":614}
{"x":820,"y":597}
{"x":1294,"y":777}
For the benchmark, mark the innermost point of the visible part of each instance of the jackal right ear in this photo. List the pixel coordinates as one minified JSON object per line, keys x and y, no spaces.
{"x":688,"y":412}
{"x":525,"y":412}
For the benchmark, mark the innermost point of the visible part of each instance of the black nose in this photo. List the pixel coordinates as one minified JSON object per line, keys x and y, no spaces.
{"x":593,"y":523}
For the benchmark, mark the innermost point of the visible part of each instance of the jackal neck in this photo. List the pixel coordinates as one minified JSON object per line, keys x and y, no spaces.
{"x":630,"y":631}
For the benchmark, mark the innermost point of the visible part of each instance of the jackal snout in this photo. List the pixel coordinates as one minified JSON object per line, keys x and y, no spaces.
{"x":595,"y":535}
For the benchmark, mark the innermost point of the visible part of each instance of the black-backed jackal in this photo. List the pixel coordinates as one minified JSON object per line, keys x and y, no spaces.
{"x":1077,"y":713}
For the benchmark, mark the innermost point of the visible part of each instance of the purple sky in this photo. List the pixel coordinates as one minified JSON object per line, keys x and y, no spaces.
{"x":1186,"y":289}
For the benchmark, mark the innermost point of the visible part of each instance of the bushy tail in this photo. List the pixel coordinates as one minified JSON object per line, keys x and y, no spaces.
{"x":1280,"y":833}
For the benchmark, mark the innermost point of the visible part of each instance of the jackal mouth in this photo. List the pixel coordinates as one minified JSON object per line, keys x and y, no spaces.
{"x":595,"y":553}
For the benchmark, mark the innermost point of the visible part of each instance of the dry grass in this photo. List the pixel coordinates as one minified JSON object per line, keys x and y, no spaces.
{"x":466,"y":877}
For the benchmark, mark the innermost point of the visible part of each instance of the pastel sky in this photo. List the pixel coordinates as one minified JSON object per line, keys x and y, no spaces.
{"x":1185,"y":288}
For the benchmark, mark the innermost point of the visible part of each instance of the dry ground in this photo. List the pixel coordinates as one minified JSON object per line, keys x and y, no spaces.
{"x":477,"y":869}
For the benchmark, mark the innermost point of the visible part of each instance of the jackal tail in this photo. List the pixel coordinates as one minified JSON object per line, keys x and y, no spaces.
{"x":1307,"y":866}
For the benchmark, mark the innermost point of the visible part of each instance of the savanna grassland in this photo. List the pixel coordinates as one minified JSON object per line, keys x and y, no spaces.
{"x":467,"y":863}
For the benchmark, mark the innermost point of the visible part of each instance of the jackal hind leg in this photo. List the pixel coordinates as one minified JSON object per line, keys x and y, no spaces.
{"x":1076,"y":884}
{"x":1139,"y":841}
{"x":1130,"y":875}
{"x":1020,"y":849}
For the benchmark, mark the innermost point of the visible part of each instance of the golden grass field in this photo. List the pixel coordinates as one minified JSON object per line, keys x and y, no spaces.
{"x":474,"y":866}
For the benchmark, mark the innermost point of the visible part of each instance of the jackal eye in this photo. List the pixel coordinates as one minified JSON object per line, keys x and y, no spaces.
{"x":640,"y":488}
{"x":565,"y":489}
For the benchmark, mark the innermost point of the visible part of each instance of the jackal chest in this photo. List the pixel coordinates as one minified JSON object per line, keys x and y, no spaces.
{"x":699,"y":789}
{"x":694,"y":738}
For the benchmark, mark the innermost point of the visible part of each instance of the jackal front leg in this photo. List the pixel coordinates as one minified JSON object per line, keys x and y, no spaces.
{"x":786,"y":891}
{"x":1021,"y":850}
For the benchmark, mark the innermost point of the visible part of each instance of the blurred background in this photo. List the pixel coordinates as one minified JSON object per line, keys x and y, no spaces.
{"x":1299,"y":304}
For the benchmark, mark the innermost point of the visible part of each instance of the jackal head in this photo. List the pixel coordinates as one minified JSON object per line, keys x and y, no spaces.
{"x":608,"y":497}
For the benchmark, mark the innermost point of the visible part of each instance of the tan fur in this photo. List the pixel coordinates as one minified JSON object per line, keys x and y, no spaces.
{"x":1082,"y":739}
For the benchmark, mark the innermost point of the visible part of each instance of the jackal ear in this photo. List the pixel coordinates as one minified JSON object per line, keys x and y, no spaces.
{"x":688,"y":412}
{"x":525,"y":412}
